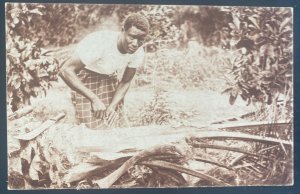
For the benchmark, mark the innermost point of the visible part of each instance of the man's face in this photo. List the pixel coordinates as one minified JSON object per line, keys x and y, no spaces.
{"x":132,"y":39}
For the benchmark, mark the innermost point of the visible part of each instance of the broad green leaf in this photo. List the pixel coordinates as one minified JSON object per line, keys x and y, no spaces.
{"x":249,"y":101}
{"x":16,"y":21}
{"x":270,"y":28}
{"x":282,"y":71}
{"x":284,"y":23}
{"x":254,"y":21}
{"x":16,"y":83}
{"x":27,"y":89}
{"x":266,"y":82}
{"x":287,"y":29}
{"x":225,"y":9}
{"x":51,"y":68}
{"x":26,"y":53}
{"x":10,"y":91}
{"x":35,"y":168}
{"x":244,"y":86}
{"x":269,"y":99}
{"x":28,"y":152}
{"x":270,"y":51}
{"x":14,"y":76}
{"x":254,"y":69}
{"x":267,"y":74}
{"x":236,"y":21}
{"x":227,"y":90}
{"x":232,"y":99}
{"x":46,"y":52}
{"x":27,"y":76}
{"x":289,"y":75}
{"x":36,"y":11}
{"x":232,"y":26}
{"x":234,"y":41}
{"x":14,"y":53}
{"x":235,"y":91}
{"x":244,"y":97}
{"x":30,"y":64}
{"x":42,"y":73}
{"x":253,"y":36}
{"x":251,"y":27}
{"x":263,"y":49}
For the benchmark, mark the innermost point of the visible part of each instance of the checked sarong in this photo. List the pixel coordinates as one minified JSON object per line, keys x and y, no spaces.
{"x":103,"y":86}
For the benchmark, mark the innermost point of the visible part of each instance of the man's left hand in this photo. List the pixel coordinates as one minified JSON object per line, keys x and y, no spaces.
{"x":110,"y":115}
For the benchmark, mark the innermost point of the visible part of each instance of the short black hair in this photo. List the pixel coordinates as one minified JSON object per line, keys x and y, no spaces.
{"x":138,"y":21}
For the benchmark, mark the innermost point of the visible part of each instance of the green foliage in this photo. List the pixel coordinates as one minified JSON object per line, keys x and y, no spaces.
{"x":196,"y":67}
{"x":262,"y":68}
{"x":163,"y":32}
{"x":156,"y":111}
{"x":65,"y":23}
{"x":57,"y":24}
{"x":29,"y":68}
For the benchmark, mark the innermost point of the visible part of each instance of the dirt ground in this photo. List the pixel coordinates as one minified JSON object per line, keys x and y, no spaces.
{"x":201,"y":106}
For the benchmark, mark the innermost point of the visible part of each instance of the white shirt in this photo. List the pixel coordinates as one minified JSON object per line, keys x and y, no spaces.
{"x":98,"y":51}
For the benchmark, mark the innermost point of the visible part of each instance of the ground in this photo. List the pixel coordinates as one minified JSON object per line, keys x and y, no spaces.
{"x":200,"y":106}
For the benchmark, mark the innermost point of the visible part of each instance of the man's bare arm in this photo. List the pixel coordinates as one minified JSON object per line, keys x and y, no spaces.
{"x":123,"y":86}
{"x":68,"y":74}
{"x":120,"y":93}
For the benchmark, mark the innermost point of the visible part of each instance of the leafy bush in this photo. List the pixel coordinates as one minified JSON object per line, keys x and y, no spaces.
{"x":157,"y":111}
{"x":29,"y":68}
{"x":262,"y":68}
{"x":164,"y":32}
{"x":63,"y":24}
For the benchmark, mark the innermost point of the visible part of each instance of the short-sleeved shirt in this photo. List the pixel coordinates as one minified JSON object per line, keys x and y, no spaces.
{"x":98,"y":51}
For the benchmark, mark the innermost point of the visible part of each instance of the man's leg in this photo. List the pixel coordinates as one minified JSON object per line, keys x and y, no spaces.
{"x":104,"y":87}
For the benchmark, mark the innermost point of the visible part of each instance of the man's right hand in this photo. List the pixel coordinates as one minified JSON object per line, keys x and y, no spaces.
{"x":98,"y":108}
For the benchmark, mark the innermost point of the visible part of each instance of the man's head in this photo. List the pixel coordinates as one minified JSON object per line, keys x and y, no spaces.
{"x":136,"y":20}
{"x":134,"y":32}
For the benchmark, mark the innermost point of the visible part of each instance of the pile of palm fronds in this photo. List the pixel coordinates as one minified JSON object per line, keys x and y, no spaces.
{"x":228,"y":154}
{"x":212,"y":158}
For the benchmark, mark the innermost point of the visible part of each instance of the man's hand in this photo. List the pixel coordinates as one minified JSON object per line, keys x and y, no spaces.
{"x":69,"y":74}
{"x":98,"y":108}
{"x":110,"y":115}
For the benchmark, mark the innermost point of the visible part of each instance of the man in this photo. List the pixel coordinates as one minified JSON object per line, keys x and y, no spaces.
{"x":101,"y":69}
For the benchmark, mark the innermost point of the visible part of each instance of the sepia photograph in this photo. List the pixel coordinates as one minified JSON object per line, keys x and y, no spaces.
{"x":148,"y":96}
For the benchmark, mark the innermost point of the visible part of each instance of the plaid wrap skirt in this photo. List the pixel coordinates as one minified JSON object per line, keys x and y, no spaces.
{"x":104,"y":87}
